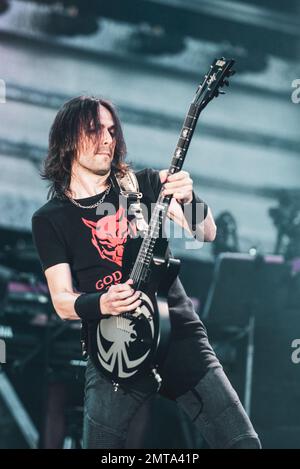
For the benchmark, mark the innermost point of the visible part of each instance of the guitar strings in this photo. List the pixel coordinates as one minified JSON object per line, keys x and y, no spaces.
{"x":137,"y":269}
{"x":140,"y":265}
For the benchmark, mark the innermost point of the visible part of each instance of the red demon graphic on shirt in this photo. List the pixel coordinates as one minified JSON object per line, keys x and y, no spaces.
{"x":109,"y":234}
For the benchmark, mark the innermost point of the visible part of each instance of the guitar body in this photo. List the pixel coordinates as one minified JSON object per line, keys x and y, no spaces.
{"x":126,"y":346}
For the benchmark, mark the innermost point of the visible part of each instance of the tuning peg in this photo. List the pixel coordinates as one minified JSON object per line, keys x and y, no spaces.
{"x":226,"y":82}
{"x":222,"y":92}
{"x":230,"y":73}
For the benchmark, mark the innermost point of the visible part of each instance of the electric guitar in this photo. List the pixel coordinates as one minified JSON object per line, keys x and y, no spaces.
{"x":125,"y":346}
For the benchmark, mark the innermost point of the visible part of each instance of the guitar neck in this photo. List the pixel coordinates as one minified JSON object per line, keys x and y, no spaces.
{"x":185,"y":138}
{"x":144,"y":257}
{"x":216,"y":78}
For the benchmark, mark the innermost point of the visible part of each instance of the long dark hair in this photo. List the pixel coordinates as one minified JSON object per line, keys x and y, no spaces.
{"x":73,"y":120}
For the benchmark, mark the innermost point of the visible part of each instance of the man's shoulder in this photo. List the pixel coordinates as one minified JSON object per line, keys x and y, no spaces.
{"x":147,"y":175}
{"x":149,"y":181}
{"x":50,"y":208}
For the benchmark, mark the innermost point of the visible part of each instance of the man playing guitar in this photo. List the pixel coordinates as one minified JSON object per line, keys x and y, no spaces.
{"x":81,"y":255}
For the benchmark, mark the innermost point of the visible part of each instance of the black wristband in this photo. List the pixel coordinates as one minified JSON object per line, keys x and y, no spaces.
{"x":87,"y":306}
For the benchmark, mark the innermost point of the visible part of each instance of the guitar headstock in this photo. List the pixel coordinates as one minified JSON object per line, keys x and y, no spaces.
{"x":217,"y":77}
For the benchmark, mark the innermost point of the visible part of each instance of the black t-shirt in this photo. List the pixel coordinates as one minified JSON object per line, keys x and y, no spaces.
{"x":93,"y":246}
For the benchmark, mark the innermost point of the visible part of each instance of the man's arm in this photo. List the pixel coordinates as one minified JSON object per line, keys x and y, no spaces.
{"x":60,"y":285}
{"x":118,"y":299}
{"x":204,"y":231}
{"x":180,"y":185}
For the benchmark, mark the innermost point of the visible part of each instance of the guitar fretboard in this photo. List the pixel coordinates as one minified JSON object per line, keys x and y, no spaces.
{"x":159,"y":213}
{"x":216,"y":77}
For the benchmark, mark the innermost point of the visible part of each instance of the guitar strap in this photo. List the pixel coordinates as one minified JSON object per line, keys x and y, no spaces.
{"x":129,"y":187}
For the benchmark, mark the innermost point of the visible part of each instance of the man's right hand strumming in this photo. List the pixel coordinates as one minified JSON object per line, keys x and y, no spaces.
{"x":120,"y":298}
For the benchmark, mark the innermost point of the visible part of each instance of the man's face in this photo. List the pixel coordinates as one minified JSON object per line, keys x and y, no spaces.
{"x":97,"y":149}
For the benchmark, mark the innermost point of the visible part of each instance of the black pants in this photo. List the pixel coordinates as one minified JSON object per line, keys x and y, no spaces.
{"x":207,"y":398}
